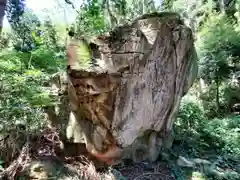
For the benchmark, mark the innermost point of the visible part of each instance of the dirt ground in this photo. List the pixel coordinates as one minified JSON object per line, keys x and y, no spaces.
{"x":42,"y":152}
{"x":147,"y":171}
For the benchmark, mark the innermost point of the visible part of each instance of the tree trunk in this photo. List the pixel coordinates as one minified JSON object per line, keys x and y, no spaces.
{"x":126,"y":106}
{"x":217,"y":94}
{"x":2,"y":13}
{"x":222,"y":6}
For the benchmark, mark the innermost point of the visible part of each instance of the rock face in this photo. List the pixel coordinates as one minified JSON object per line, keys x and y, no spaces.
{"x":125,"y":107}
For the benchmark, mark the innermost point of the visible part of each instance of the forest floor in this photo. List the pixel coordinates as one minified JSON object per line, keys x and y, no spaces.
{"x":159,"y":170}
{"x":41,"y":158}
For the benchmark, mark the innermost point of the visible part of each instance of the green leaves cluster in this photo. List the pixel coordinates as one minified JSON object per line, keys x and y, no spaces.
{"x":200,"y":135}
{"x":218,"y":48}
{"x":97,"y":16}
{"x":90,"y":20}
{"x":23,"y":77}
{"x":26,"y":31}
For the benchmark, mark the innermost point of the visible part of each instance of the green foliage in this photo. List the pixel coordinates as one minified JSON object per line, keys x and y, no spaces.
{"x":23,"y":76}
{"x":208,"y":98}
{"x":188,"y":124}
{"x":25,"y":69}
{"x":199,"y":134}
{"x":218,"y":47}
{"x":224,"y":134}
{"x":46,"y":59}
{"x":15,"y":9}
{"x":167,"y":4}
{"x":192,"y":113}
{"x":90,"y":20}
{"x":96,"y":16}
{"x":138,"y":8}
{"x":50,"y":35}
{"x":218,"y":43}
{"x":4,"y":40}
{"x":24,"y":32}
{"x":39,"y":52}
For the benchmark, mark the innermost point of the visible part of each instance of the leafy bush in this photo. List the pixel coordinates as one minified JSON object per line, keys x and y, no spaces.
{"x":90,"y":21}
{"x":23,"y":76}
{"x":46,"y":60}
{"x":199,"y":134}
{"x":187,"y":126}
{"x":225,"y":135}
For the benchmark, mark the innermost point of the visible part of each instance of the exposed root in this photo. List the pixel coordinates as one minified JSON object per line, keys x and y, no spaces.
{"x":18,"y":165}
{"x":47,"y":144}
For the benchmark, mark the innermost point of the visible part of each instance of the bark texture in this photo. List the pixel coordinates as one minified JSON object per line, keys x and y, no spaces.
{"x":125,"y":107}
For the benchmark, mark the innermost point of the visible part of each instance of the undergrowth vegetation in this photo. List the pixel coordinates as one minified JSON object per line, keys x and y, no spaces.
{"x":203,"y":135}
{"x":23,"y":76}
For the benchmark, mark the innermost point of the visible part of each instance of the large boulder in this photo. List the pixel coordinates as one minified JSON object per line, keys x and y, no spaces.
{"x":125,"y":107}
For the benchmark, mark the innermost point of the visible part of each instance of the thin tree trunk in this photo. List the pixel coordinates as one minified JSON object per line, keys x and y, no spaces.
{"x":2,"y":13}
{"x":52,"y":117}
{"x":217,"y":94}
{"x":222,"y":6}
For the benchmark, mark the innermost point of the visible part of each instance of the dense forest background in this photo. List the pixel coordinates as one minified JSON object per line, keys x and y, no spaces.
{"x":208,"y":124}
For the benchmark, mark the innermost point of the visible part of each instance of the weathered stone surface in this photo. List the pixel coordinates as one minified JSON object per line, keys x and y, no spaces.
{"x":126,"y":106}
